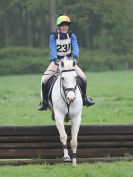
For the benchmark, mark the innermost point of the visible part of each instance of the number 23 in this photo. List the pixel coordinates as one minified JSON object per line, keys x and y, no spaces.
{"x":62,"y":48}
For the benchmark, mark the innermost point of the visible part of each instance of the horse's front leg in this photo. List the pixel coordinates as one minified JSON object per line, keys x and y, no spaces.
{"x":74,"y":133}
{"x":63,"y":136}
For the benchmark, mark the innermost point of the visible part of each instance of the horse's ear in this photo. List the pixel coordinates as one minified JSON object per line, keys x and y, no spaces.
{"x":62,"y":64}
{"x":74,"y":63}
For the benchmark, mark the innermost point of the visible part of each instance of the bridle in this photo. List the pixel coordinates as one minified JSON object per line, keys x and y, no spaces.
{"x":66,"y":90}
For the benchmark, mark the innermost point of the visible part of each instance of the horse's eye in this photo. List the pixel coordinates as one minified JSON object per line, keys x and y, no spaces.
{"x":62,"y":78}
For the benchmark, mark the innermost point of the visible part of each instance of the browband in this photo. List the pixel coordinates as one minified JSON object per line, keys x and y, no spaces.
{"x":68,"y":70}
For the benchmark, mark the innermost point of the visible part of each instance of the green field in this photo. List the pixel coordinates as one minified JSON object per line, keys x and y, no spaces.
{"x":117,"y":169}
{"x":112,"y":92}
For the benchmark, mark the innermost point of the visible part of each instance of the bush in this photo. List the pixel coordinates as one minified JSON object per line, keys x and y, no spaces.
{"x":102,"y":61}
{"x":23,"y":60}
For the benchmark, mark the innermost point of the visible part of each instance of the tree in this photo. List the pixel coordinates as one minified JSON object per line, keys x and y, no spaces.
{"x":99,"y":24}
{"x":52,"y":12}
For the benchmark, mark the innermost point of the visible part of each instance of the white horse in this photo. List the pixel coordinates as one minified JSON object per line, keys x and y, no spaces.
{"x":67,"y":100}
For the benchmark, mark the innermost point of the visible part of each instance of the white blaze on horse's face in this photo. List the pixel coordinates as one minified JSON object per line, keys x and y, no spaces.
{"x":69,"y":80}
{"x":69,"y":84}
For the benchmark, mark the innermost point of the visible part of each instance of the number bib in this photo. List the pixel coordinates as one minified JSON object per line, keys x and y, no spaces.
{"x":63,"y":46}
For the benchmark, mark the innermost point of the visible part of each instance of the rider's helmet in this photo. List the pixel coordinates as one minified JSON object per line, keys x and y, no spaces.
{"x":63,"y":19}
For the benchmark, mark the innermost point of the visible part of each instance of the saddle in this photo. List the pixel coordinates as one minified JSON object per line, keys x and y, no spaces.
{"x":50,"y":84}
{"x":49,"y":87}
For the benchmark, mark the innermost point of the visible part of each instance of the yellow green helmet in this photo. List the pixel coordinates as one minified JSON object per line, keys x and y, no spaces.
{"x":62,"y":19}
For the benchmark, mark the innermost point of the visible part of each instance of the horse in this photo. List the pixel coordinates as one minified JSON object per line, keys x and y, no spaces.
{"x":67,"y":104}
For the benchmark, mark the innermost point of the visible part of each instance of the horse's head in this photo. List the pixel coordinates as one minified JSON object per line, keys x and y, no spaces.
{"x":68,"y":78}
{"x":67,"y":63}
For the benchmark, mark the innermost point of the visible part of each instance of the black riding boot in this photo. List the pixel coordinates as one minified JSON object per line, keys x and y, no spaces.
{"x":86,"y":101}
{"x":43,"y":104}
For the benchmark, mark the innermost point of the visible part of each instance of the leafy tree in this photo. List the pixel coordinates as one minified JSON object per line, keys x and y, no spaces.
{"x":99,"y":24}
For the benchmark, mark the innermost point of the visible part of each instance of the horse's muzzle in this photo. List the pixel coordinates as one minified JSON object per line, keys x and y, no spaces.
{"x":70,"y":96}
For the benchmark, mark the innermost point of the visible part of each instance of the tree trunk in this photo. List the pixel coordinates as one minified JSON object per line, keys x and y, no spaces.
{"x":7,"y":30}
{"x":29,"y":30}
{"x":52,"y":13}
{"x":42,"y":37}
{"x":130,"y":9}
{"x":87,"y":39}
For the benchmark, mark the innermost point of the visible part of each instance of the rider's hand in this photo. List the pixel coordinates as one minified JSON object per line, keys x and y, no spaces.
{"x":75,"y":57}
{"x":56,"y":61}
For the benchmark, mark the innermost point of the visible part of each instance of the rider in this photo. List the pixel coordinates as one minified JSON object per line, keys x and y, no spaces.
{"x":63,"y":42}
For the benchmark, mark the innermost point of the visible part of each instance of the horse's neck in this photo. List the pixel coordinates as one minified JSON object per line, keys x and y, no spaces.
{"x":57,"y":92}
{"x":58,"y":83}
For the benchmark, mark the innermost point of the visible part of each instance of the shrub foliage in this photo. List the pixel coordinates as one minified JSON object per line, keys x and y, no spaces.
{"x":23,"y":60}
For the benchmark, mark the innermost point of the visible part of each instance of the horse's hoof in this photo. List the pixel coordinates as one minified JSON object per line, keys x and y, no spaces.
{"x":67,"y":159}
{"x":74,"y":162}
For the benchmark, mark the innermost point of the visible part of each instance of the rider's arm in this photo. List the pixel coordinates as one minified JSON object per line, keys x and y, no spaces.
{"x":75,"y":48}
{"x":53,"y":51}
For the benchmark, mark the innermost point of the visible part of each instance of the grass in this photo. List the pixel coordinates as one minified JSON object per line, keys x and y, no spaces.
{"x":112,"y":92}
{"x":117,"y":169}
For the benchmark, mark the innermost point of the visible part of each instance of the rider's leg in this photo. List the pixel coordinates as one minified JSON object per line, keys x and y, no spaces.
{"x":86,"y":101}
{"x":51,"y":70}
{"x":43,"y":104}
{"x":83,"y":83}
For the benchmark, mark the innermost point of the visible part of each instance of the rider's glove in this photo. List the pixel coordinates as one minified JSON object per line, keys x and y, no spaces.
{"x":75,"y":57}
{"x":56,"y":61}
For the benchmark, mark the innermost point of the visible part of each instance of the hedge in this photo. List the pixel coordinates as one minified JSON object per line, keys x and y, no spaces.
{"x":21,"y":60}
